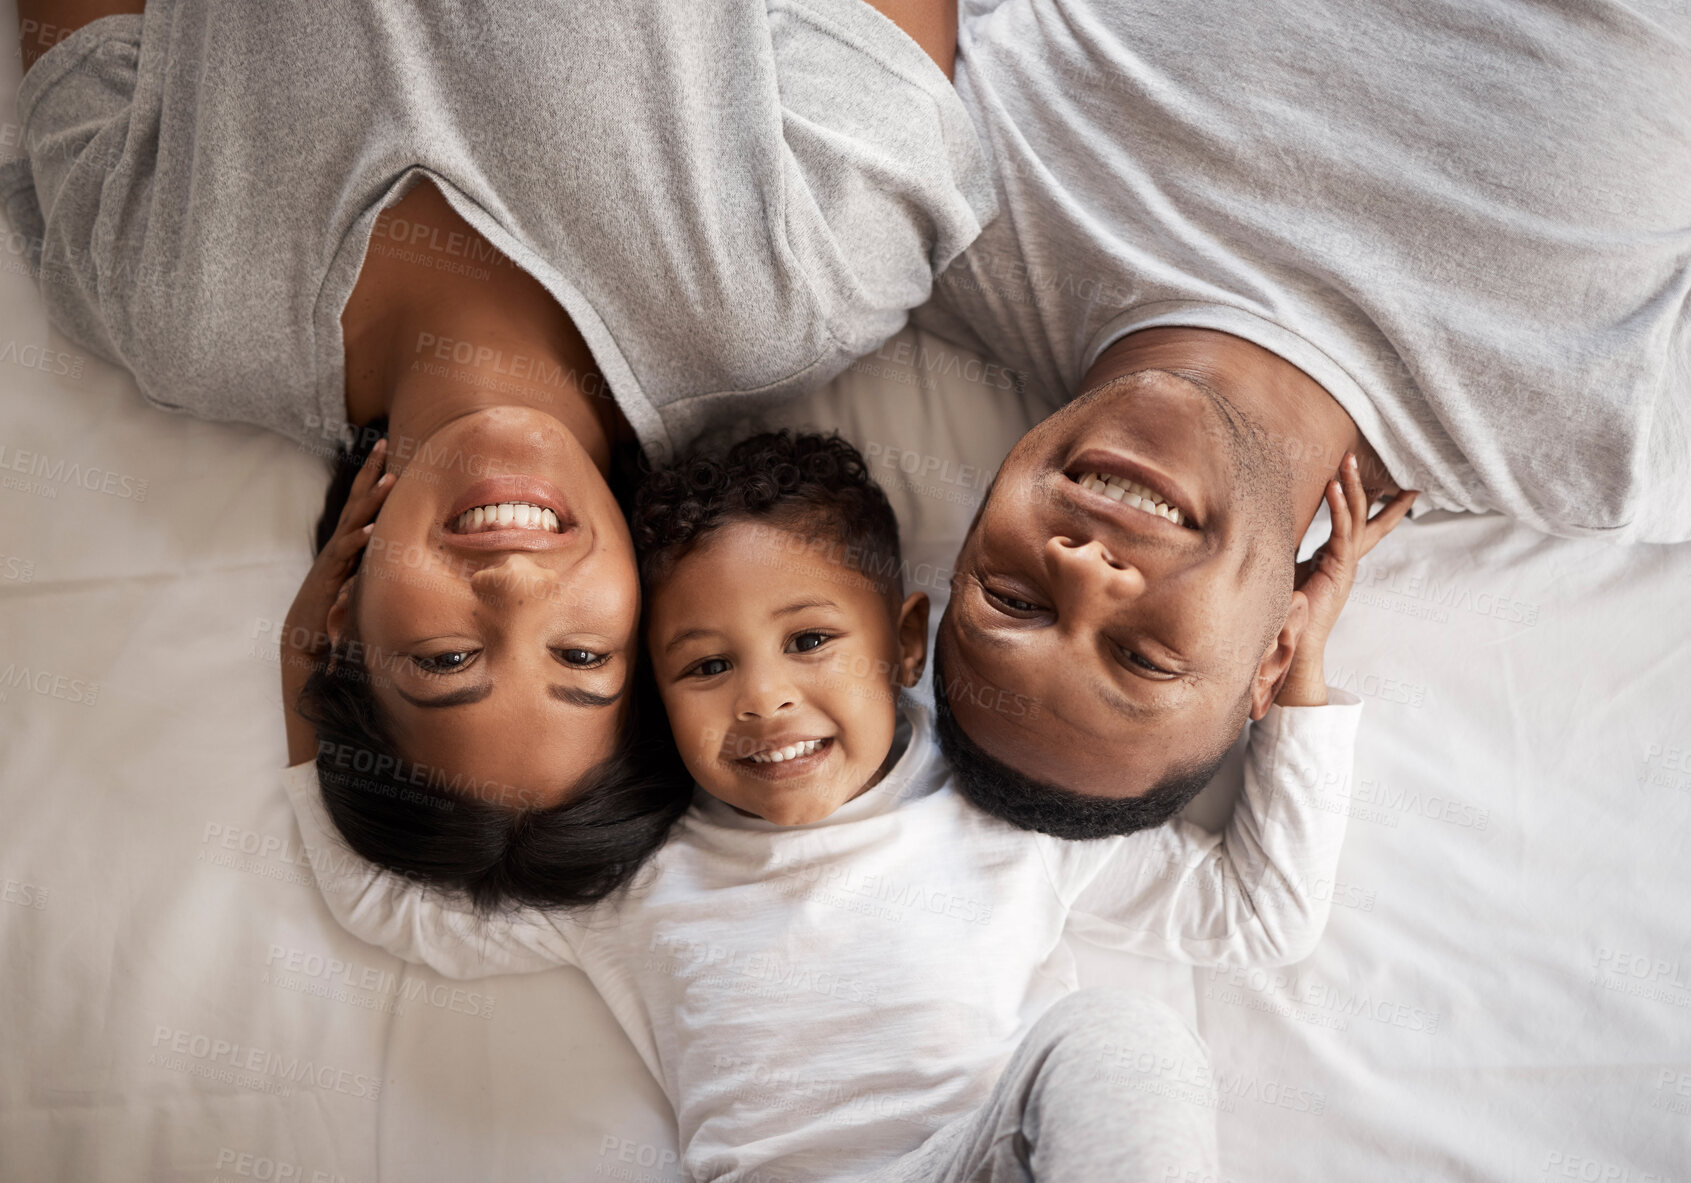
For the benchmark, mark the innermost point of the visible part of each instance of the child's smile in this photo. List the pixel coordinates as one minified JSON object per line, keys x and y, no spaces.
{"x":779,"y":759}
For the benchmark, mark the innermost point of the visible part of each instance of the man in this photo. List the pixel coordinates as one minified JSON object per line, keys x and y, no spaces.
{"x":1454,"y":240}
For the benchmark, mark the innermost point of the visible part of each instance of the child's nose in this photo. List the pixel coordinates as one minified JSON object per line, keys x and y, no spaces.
{"x":765,"y":699}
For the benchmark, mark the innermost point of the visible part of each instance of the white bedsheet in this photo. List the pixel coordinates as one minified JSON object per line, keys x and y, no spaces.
{"x":1504,"y":991}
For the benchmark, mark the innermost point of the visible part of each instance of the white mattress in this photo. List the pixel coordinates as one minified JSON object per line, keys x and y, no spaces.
{"x":1504,"y":991}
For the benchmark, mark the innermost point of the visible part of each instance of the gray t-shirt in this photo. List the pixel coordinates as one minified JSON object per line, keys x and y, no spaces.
{"x":732,"y":200}
{"x":1469,"y":221}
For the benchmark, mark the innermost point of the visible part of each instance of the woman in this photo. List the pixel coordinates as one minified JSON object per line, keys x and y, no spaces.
{"x":518,"y":239}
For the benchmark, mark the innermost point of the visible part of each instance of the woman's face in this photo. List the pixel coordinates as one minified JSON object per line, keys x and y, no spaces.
{"x":501,"y":654}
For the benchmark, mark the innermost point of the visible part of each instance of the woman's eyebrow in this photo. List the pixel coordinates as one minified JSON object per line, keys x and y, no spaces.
{"x":456,"y":698}
{"x":474,"y":694}
{"x":585,"y":698}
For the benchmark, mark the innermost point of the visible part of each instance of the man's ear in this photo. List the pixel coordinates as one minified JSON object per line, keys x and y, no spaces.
{"x":338,"y":623}
{"x":1276,"y":664}
{"x":912,"y":639}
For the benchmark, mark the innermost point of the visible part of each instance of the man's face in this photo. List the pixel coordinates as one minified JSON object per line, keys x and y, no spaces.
{"x":1098,"y":645}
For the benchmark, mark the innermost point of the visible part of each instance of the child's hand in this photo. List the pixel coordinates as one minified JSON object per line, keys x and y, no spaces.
{"x":305,"y":632}
{"x":1325,"y":578}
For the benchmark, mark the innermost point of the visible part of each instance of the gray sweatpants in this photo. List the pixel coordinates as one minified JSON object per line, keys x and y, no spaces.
{"x":1107,"y":1087}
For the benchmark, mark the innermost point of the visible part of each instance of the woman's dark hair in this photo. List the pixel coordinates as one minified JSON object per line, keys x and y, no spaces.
{"x":804,"y":482}
{"x":423,"y":824}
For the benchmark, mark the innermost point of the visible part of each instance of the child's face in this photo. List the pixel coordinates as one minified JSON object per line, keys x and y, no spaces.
{"x":764,"y":643}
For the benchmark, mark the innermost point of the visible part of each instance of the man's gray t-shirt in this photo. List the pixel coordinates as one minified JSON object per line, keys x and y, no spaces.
{"x":731,"y":199}
{"x":1470,"y":222}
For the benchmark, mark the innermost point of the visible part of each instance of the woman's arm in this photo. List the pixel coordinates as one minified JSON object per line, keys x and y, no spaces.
{"x":932,"y":24}
{"x":44,"y":23}
{"x":411,"y":921}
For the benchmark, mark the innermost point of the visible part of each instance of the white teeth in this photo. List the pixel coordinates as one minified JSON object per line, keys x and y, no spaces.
{"x":509,"y":515}
{"x":1131,"y":494}
{"x":791,"y":752}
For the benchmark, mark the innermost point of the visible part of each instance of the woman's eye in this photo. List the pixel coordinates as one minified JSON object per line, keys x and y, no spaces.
{"x":443,"y":663}
{"x":805,"y":642}
{"x":581,"y":658}
{"x":710,"y":667}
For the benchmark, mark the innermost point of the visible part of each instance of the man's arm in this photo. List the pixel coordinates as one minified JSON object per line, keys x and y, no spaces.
{"x":932,"y":24}
{"x":44,"y":23}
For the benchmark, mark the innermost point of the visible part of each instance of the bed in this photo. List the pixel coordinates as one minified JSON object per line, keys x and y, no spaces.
{"x":1503,"y":993}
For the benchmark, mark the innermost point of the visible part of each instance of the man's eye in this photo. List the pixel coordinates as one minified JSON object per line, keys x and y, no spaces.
{"x":444,"y":663}
{"x":710,"y":667}
{"x":584,"y":659}
{"x":1150,"y":667}
{"x":1011,"y":603}
{"x":805,"y":642}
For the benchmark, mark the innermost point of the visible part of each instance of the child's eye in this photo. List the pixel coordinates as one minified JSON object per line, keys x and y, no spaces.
{"x":449,"y":662}
{"x":584,"y":659}
{"x":805,"y":642}
{"x":710,"y":667}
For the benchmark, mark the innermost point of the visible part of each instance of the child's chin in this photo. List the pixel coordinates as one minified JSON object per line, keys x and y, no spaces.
{"x":811,"y":812}
{"x":791,"y":805}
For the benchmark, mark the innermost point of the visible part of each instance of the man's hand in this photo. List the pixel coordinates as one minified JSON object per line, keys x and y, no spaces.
{"x":305,"y":632}
{"x":1326,"y":577}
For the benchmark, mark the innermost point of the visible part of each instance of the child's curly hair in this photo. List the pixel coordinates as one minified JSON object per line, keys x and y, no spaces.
{"x":812,"y":484}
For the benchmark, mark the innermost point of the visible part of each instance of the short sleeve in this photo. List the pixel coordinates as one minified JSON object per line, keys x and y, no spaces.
{"x":74,"y":108}
{"x":886,"y":179}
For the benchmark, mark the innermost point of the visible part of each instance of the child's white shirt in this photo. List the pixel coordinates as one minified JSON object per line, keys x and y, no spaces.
{"x":817,"y":1000}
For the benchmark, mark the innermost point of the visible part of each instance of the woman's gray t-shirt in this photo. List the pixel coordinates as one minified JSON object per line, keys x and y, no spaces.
{"x":732,"y":200}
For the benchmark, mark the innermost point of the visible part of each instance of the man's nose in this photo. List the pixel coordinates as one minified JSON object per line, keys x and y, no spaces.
{"x":1089,"y":575}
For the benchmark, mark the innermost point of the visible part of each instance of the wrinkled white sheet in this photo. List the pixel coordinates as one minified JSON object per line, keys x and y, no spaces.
{"x":1504,"y":991}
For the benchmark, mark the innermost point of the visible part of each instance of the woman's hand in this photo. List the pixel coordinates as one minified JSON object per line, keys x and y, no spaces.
{"x":1326,"y":577}
{"x":305,"y":632}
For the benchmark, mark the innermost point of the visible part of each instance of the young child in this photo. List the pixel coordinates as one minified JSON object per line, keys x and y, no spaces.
{"x":835,"y":957}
